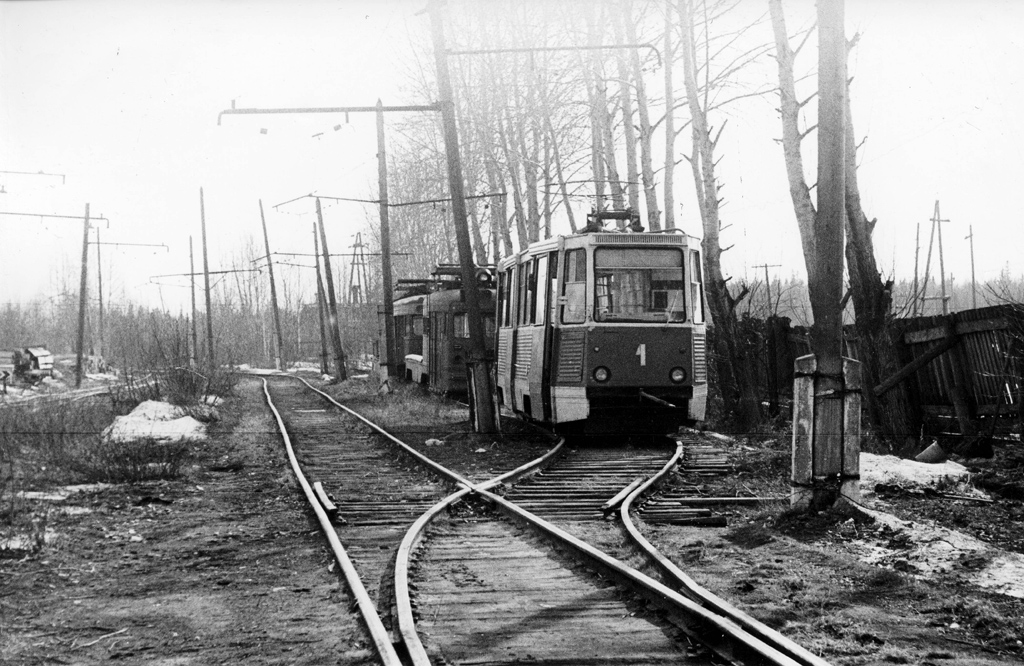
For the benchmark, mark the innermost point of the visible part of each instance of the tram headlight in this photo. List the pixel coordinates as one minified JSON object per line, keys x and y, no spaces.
{"x":677,"y":375}
{"x":602,"y":374}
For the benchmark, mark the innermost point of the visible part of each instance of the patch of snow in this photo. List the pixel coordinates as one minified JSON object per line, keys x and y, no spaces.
{"x":359,"y":377}
{"x":75,"y":510}
{"x":1003,"y":574}
{"x":102,"y":376}
{"x":129,"y":429}
{"x":154,"y":410}
{"x":62,"y":493}
{"x":160,"y":421}
{"x":933,"y":550}
{"x":875,"y":469}
{"x":212,"y":400}
{"x":26,"y":542}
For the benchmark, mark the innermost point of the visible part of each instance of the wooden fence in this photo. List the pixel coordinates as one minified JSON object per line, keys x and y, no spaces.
{"x":966,"y":366}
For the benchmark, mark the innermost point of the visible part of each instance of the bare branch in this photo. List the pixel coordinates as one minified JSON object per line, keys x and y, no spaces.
{"x":714,"y":143}
{"x":807,"y":36}
{"x":803,"y":135}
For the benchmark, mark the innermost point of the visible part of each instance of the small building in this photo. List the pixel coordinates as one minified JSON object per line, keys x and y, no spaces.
{"x":6,"y":365}
{"x":33,"y":362}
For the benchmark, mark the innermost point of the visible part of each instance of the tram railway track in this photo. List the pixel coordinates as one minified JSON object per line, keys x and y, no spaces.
{"x":492,"y":582}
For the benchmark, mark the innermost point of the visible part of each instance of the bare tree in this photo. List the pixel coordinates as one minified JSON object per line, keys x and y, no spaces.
{"x":870,"y":294}
{"x":737,"y":386}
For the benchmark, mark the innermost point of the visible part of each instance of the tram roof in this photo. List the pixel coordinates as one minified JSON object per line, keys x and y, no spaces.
{"x":646,"y":238}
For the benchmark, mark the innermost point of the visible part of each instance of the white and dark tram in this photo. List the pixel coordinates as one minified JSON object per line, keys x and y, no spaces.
{"x":604,"y":331}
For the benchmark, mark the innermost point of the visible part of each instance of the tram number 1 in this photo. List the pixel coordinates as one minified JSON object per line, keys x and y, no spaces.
{"x":641,"y":351}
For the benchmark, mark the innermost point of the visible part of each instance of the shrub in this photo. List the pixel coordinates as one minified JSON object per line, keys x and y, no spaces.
{"x":182,"y":386}
{"x":109,"y":461}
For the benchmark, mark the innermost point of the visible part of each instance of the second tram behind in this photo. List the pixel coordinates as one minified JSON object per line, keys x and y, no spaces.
{"x":604,"y":331}
{"x":432,"y":328}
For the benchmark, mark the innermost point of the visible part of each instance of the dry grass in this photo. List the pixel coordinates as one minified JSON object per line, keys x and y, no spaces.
{"x":406,"y":405}
{"x":47,"y":446}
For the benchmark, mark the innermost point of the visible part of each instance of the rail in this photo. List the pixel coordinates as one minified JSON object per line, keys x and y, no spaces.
{"x":727,"y":631}
{"x":691,"y":589}
{"x":367,"y":610}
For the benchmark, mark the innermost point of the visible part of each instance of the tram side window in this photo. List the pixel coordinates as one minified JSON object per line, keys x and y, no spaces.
{"x":506,"y":294}
{"x":696,"y":288}
{"x":527,"y":291}
{"x":540,"y":289}
{"x":417,"y":325}
{"x":461,"y":326}
{"x":574,"y":291}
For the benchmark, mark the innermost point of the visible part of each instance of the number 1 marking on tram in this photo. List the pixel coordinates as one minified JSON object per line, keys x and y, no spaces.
{"x":641,"y":351}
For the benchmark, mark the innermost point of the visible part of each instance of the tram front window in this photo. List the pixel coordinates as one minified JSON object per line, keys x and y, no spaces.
{"x":639,"y":285}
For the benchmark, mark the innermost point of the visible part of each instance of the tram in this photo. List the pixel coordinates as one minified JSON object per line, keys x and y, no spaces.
{"x":604,"y":331}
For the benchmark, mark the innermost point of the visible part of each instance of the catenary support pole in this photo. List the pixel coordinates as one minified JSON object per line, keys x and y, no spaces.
{"x":974,"y":283}
{"x":210,"y":356}
{"x":195,"y":333}
{"x":278,"y":349}
{"x":339,"y":352}
{"x":83,"y":289}
{"x":480,"y":383}
{"x":390,"y":358}
{"x":321,"y":305}
{"x":99,"y":292}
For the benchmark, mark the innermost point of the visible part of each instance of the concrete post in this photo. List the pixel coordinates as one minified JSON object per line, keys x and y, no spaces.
{"x":821,"y":476}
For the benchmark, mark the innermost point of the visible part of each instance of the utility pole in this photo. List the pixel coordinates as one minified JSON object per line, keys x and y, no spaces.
{"x":206,"y":277}
{"x":339,"y":353}
{"x":390,"y":368}
{"x":917,"y":253}
{"x":278,"y":357}
{"x":768,"y":285}
{"x":83,"y":289}
{"x":480,"y":388}
{"x":195,"y":334}
{"x":974,"y":284}
{"x":320,"y":305}
{"x":942,"y":262}
{"x":937,"y":222}
{"x":826,"y":414}
{"x":99,"y":289}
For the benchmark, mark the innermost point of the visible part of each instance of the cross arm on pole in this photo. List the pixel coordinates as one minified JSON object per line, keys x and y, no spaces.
{"x":408,"y":108}
{"x":541,"y":49}
{"x":63,"y":217}
{"x":163,"y":245}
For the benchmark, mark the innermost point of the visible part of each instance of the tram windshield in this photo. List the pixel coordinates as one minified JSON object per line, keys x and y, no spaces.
{"x":639,"y":285}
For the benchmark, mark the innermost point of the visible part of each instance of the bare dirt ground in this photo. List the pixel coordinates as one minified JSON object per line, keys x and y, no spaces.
{"x":224,"y":565}
{"x":859,"y":590}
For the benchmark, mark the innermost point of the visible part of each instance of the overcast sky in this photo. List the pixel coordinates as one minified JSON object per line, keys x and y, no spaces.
{"x":121,"y":98}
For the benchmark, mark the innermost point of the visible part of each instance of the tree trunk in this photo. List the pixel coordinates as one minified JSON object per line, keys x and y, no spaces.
{"x":872,"y":302}
{"x":646,"y":158}
{"x":513,"y":173}
{"x":628,"y":130}
{"x":791,"y":137}
{"x":670,"y":123}
{"x":558,"y":173}
{"x":738,"y":394}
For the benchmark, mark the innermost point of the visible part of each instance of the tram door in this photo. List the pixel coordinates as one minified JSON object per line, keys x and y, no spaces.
{"x":440,"y":359}
{"x":531,"y":337}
